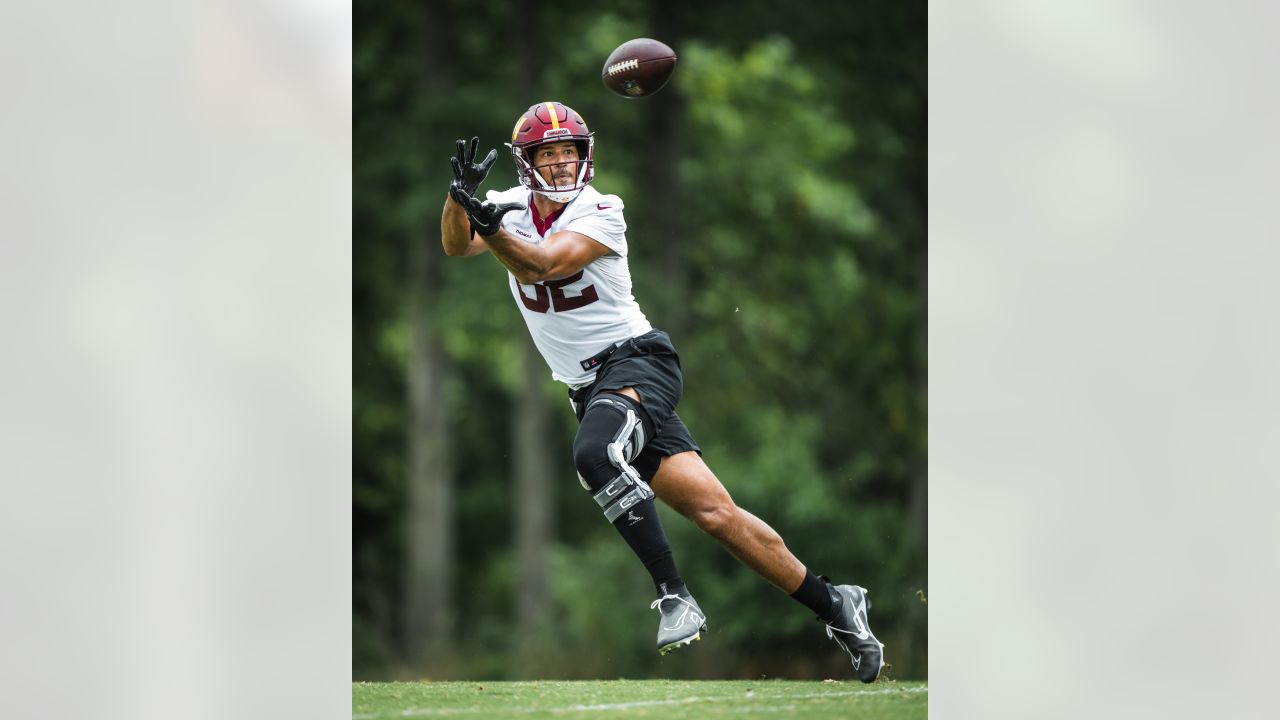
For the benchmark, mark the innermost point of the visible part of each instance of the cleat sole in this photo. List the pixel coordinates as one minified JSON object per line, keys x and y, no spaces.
{"x":678,"y":644}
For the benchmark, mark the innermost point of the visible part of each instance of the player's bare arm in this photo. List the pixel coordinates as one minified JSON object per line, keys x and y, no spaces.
{"x":561,"y":255}
{"x":455,"y":232}
{"x":455,"y":229}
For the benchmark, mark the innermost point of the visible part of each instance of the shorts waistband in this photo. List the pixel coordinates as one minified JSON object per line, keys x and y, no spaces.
{"x":598,"y":359}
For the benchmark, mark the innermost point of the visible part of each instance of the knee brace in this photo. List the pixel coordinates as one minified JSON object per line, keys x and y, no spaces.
{"x":612,"y":434}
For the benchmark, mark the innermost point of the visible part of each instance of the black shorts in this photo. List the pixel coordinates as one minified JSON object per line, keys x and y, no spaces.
{"x":649,"y":364}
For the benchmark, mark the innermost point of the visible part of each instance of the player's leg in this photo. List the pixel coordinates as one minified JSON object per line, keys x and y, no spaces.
{"x":645,"y":372}
{"x":612,"y":434}
{"x":684,"y":482}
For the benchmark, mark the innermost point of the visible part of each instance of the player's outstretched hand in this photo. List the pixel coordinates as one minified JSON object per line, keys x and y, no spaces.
{"x":466,"y":171}
{"x":485,"y":217}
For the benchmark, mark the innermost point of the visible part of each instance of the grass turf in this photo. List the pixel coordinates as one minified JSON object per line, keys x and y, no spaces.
{"x":665,"y":699}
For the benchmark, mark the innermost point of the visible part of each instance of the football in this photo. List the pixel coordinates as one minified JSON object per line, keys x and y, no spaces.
{"x":638,"y":68}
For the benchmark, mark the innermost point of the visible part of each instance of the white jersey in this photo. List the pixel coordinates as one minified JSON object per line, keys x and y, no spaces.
{"x":574,"y":318}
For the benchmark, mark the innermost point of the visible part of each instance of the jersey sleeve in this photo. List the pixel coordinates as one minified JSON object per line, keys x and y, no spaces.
{"x":515,"y":194}
{"x":499,"y":197}
{"x":604,"y":224}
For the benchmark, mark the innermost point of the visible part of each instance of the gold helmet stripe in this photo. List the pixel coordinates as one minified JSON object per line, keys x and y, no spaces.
{"x":519,"y":124}
{"x":555,"y":119}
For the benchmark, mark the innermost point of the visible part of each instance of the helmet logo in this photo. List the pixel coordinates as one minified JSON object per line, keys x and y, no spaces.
{"x":556,"y":132}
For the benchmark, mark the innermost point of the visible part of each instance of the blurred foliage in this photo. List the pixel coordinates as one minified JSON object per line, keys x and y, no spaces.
{"x":802,"y":213}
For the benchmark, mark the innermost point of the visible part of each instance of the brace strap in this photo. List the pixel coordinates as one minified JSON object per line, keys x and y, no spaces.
{"x":622,"y":492}
{"x":615,"y":511}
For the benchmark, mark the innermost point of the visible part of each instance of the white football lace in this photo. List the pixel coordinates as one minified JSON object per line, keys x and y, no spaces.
{"x":623,"y":66}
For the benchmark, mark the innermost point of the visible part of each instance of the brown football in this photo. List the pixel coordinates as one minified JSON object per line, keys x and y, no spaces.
{"x":638,"y":68}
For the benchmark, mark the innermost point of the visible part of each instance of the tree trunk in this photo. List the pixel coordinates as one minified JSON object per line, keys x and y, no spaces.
{"x":532,"y":466}
{"x":663,"y":172}
{"x":533,"y":470}
{"x":430,"y":554}
{"x":430,"y":550}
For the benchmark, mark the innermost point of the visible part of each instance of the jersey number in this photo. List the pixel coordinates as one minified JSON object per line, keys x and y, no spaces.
{"x":550,"y":294}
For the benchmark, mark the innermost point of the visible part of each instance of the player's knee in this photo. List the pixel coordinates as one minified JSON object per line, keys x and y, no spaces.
{"x":718,"y":519}
{"x":591,"y":458}
{"x":609,"y":438}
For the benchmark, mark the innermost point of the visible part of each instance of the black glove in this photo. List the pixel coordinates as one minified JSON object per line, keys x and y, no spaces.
{"x":465,"y":171}
{"x":486,"y":218}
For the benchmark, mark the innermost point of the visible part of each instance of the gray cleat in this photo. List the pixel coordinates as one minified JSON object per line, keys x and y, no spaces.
{"x":851,"y":631}
{"x":682,"y":620}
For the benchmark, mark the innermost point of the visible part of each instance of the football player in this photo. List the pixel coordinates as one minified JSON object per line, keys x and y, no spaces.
{"x":565,"y":248}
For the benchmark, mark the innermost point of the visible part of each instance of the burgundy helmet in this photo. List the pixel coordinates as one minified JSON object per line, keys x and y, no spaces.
{"x":548,"y":122}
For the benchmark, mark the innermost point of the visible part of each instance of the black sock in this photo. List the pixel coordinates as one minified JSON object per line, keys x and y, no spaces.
{"x":813,"y":594}
{"x":642,"y":530}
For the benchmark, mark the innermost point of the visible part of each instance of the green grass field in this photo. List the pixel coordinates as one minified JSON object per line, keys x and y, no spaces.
{"x":665,"y":699}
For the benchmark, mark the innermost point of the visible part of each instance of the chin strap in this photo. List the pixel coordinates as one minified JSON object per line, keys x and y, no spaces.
{"x":560,"y":197}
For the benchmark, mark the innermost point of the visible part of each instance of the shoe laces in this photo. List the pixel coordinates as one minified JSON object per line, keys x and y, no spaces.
{"x":658,"y":603}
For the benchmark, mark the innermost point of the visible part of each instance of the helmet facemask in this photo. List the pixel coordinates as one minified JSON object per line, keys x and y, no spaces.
{"x":543,"y":123}
{"x":556,"y":192}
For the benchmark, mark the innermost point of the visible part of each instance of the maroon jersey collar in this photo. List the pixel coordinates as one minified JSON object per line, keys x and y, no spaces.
{"x":538,"y":223}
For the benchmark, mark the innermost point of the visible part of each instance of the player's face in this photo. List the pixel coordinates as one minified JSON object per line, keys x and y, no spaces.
{"x":557,"y":162}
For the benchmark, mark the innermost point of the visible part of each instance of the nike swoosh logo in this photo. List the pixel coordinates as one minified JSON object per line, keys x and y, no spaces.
{"x":853,"y":653}
{"x":603,"y":207}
